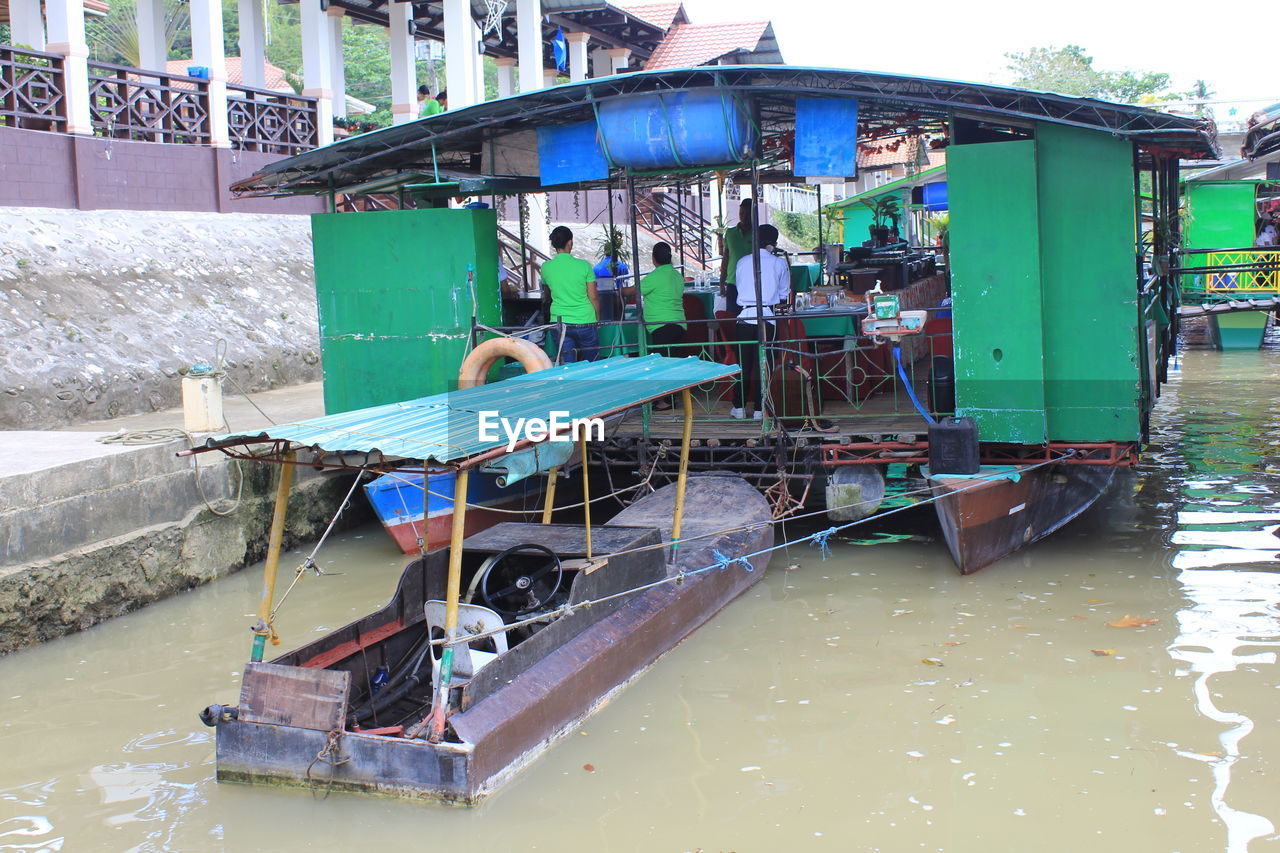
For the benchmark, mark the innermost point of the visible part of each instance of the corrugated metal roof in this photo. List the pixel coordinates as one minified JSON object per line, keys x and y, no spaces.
{"x":446,"y":427}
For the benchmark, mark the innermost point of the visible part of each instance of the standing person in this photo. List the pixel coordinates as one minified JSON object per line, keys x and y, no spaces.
{"x":775,"y":288}
{"x":737,"y":245}
{"x":574,"y":300}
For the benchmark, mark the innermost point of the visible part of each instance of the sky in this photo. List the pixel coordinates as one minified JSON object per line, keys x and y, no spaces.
{"x":967,"y":41}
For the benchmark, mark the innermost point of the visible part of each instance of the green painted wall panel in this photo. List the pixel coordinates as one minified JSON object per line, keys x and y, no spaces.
{"x":1219,"y":215}
{"x":995,"y":287}
{"x":394,"y":302}
{"x":857,"y":218}
{"x":1088,"y":278}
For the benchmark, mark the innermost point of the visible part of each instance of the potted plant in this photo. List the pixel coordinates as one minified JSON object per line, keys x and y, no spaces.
{"x":612,"y":254}
{"x":884,"y":216}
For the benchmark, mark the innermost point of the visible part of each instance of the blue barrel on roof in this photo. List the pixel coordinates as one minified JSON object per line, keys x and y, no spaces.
{"x":664,"y":130}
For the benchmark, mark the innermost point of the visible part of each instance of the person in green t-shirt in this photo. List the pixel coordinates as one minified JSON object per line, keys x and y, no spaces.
{"x":430,"y":106}
{"x":737,"y":245}
{"x":662,"y":292}
{"x":574,"y":300}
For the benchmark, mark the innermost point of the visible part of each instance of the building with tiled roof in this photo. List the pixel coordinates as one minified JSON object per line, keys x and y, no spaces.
{"x":691,"y":45}
{"x":274,"y":75}
{"x":664,"y":15}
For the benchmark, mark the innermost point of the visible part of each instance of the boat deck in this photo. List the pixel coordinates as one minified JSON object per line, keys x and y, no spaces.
{"x":875,"y":419}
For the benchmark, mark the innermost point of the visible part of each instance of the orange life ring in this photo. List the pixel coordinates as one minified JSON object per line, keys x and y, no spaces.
{"x":475,"y":367}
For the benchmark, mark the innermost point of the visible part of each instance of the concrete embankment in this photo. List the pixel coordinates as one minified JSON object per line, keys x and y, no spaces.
{"x":100,"y":310}
{"x":89,"y":531}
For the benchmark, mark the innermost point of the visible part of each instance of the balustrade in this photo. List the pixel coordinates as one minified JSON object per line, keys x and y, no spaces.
{"x":150,"y":106}
{"x":271,"y":122}
{"x":31,"y":89}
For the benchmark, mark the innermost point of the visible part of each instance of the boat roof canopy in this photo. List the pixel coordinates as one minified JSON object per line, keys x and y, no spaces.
{"x":447,"y":428}
{"x":452,"y":154}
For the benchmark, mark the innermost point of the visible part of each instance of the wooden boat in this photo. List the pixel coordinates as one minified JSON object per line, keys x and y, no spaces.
{"x":987,"y":516}
{"x":532,"y":688}
{"x":493,"y":647}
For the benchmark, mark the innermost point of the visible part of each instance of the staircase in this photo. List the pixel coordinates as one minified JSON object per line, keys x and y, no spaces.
{"x":668,"y":217}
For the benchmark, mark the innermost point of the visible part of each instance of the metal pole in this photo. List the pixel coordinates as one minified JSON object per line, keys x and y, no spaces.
{"x":453,"y":591}
{"x":680,"y":226}
{"x":682,"y":480}
{"x":822,"y":244}
{"x":586,"y":489}
{"x":702,"y":224}
{"x":262,"y":630}
{"x":641,"y":343}
{"x":524,"y":255}
{"x":761,"y":335}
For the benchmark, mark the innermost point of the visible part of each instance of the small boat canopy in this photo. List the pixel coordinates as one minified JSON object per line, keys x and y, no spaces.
{"x":446,"y":428}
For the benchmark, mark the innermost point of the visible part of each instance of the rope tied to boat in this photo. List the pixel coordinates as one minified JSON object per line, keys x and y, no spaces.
{"x":723,"y":562}
{"x":822,"y":540}
{"x":330,"y":753}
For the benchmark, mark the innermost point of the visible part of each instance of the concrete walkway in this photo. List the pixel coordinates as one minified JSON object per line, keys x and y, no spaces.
{"x":89,"y":530}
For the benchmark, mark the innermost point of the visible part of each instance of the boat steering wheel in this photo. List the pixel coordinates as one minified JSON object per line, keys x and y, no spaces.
{"x":524,"y":581}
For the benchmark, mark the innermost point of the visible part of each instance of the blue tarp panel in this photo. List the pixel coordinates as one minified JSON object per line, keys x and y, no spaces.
{"x":676,"y":129}
{"x":935,"y":195}
{"x":570,"y":153}
{"x":826,"y":137}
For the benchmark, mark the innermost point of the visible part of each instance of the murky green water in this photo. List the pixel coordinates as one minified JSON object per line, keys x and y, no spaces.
{"x":875,"y":701}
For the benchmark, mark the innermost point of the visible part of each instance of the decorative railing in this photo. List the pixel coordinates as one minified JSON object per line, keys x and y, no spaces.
{"x":271,"y":122}
{"x":1244,"y":270}
{"x":31,"y":90}
{"x":149,"y":106}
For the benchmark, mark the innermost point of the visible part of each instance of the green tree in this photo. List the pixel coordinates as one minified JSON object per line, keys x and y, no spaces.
{"x":1069,"y":71}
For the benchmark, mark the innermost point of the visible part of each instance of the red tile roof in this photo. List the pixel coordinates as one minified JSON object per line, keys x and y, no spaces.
{"x":659,"y":14}
{"x":691,"y":45}
{"x":275,"y":78}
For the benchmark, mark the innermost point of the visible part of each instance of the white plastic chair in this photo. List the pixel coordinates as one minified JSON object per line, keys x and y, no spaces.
{"x":472,"y":619}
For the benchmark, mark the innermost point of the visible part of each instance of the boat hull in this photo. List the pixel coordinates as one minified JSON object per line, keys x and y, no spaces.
{"x":985,"y":520}
{"x":397,"y":500}
{"x":516,"y":710}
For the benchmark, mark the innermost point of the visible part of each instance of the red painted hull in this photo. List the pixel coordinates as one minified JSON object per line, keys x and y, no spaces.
{"x":987,"y":520}
{"x":440,"y":527}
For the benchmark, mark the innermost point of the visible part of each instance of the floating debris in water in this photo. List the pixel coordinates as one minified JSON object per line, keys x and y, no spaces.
{"x":1128,"y":621}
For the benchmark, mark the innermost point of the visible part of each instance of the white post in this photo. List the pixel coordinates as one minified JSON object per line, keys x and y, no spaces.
{"x":338,"y":68}
{"x":317,"y":66}
{"x":207,"y":50}
{"x":65,"y":20}
{"x":459,"y":48}
{"x":477,"y":63}
{"x":153,"y":49}
{"x":529,"y":39}
{"x":26,"y":26}
{"x":404,"y":80}
{"x":621,"y":57}
{"x":601,"y":63}
{"x":577,"y":56}
{"x":506,"y":76}
{"x":549,"y":77}
{"x":253,"y":44}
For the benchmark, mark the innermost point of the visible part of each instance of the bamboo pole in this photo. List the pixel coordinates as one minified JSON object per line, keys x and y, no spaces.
{"x":440,"y":703}
{"x":263,"y":628}
{"x":550,"y":503}
{"x":586,"y":489}
{"x":686,"y":440}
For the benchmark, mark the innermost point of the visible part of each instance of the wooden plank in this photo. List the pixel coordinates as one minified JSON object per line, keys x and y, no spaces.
{"x":294,"y":696}
{"x":564,"y":539}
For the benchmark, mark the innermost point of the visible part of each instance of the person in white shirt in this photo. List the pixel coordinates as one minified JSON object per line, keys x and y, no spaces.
{"x":775,"y":288}
{"x":1266,"y":237}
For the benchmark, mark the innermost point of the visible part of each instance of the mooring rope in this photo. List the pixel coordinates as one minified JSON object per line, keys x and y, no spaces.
{"x":722,"y":562}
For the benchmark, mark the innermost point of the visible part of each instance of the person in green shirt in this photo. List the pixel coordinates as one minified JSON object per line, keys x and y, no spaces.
{"x":662,"y":292}
{"x":574,"y":301}
{"x":431,"y":106}
{"x":737,"y":245}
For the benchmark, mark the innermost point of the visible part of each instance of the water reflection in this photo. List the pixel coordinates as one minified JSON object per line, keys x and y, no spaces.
{"x":1221,"y":528}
